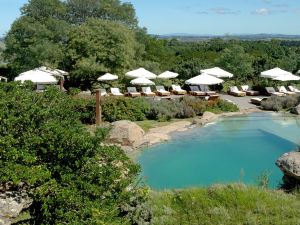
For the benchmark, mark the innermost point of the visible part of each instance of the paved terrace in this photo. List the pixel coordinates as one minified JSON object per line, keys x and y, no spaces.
{"x":242,"y":102}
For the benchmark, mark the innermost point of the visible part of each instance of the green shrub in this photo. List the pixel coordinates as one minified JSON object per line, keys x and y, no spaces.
{"x":73,"y":91}
{"x":276,"y":103}
{"x":72,"y":178}
{"x":114,"y":109}
{"x":139,"y":109}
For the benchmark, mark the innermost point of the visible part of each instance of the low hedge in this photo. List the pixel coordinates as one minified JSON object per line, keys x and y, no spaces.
{"x":276,"y":103}
{"x":139,"y":109}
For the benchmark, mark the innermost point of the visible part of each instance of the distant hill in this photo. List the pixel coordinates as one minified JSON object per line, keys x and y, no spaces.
{"x":249,"y":37}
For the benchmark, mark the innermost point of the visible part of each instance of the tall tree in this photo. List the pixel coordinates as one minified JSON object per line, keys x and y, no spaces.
{"x":79,"y":11}
{"x":99,"y":46}
{"x":236,"y":61}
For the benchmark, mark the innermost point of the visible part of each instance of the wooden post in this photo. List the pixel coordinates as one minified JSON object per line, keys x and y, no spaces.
{"x":98,"y":108}
{"x":61,"y":84}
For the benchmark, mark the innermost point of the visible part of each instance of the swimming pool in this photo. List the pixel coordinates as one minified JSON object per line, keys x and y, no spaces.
{"x":234,"y":149}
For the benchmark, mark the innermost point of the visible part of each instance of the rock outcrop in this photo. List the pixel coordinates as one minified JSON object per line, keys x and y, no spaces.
{"x":158,"y":134}
{"x":126,"y":133}
{"x":207,"y":117}
{"x":296,"y":110}
{"x":289,"y":163}
{"x":13,"y":201}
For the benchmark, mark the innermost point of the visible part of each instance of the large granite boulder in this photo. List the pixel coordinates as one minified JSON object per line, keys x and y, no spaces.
{"x":126,"y":133}
{"x":296,"y":110}
{"x":289,"y":163}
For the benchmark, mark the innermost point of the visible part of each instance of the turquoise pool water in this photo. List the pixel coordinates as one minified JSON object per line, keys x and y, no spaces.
{"x":239,"y":148}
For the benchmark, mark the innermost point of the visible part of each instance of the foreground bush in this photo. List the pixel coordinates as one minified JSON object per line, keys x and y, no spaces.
{"x":227,"y":205}
{"x":275,"y":103}
{"x":71,"y":178}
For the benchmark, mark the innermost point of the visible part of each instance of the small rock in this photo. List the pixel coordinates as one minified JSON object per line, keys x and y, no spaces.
{"x":296,"y":110}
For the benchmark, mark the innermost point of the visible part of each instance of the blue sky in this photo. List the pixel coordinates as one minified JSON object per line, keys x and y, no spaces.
{"x":199,"y":16}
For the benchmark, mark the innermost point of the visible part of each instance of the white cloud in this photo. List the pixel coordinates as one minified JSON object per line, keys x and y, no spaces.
{"x":262,"y":11}
{"x":223,"y":11}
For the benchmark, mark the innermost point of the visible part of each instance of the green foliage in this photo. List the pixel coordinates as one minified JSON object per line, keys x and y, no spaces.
{"x":237,"y":61}
{"x":139,"y":109}
{"x":72,"y":178}
{"x":86,"y":38}
{"x":229,"y":204}
{"x":114,"y":109}
{"x":98,"y":46}
{"x":275,"y":103}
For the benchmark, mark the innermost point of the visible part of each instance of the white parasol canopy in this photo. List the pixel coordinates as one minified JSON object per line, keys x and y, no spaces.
{"x":273,"y":73}
{"x":3,"y":78}
{"x":204,"y":79}
{"x":141,"y":72}
{"x":217,"y":72}
{"x":37,"y":76}
{"x":168,"y":75}
{"x":54,"y":72}
{"x":142,"y":81}
{"x":288,"y":77}
{"x":108,"y":77}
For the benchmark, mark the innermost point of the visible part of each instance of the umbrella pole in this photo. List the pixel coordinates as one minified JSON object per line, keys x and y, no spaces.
{"x":98,"y":108}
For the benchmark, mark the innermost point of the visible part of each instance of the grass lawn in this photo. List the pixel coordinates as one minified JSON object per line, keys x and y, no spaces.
{"x":146,"y":125}
{"x":226,"y":205}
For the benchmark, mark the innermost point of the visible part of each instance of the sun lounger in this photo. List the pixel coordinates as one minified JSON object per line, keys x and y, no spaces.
{"x":248,"y":91}
{"x":195,"y":91}
{"x":271,"y":91}
{"x":257,"y":101}
{"x":146,"y":91}
{"x":176,"y":89}
{"x":116,"y":92}
{"x":103,"y":92}
{"x":132,"y":92}
{"x":236,"y":92}
{"x":293,"y":89}
{"x":282,"y":89}
{"x":160,"y":90}
{"x":205,"y":89}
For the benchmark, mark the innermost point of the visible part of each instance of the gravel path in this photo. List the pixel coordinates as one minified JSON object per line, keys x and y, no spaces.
{"x":242,"y":102}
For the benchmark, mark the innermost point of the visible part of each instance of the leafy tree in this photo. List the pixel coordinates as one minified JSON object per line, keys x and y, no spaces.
{"x":79,"y":11}
{"x":238,"y":62}
{"x":99,"y":46}
{"x":47,"y":31}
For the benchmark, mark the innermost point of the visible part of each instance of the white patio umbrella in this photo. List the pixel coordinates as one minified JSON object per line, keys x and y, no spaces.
{"x":217,"y":72}
{"x":142,"y":81}
{"x":3,"y":78}
{"x":168,"y":75}
{"x":141,"y":72}
{"x":54,"y":72}
{"x":37,"y":76}
{"x":273,"y":73}
{"x":107,"y":77}
{"x":204,"y":79}
{"x":288,"y":77}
